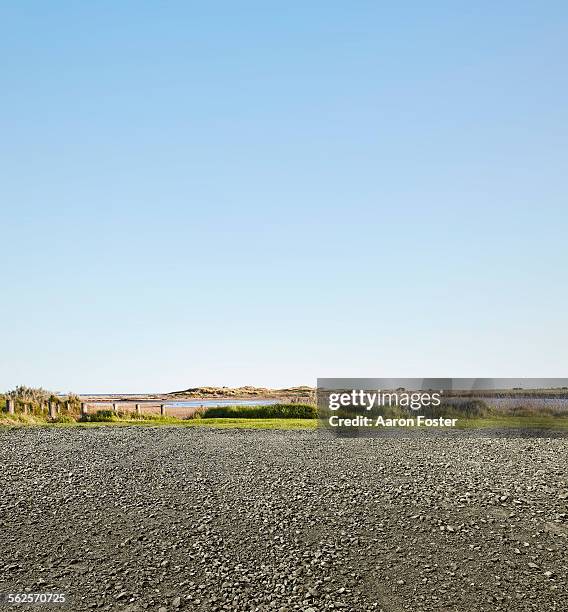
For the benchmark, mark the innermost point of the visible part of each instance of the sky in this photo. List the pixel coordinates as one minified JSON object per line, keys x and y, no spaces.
{"x":232,"y":193}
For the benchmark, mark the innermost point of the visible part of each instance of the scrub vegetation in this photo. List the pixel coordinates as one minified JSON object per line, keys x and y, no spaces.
{"x":31,"y":409}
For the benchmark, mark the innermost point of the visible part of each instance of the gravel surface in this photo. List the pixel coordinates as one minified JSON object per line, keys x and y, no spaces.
{"x":168,"y":519}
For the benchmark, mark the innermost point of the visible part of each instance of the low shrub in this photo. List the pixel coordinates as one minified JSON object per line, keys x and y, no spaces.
{"x":100,"y":416}
{"x":532,"y":411}
{"x":272,"y":411}
{"x":63,"y":418}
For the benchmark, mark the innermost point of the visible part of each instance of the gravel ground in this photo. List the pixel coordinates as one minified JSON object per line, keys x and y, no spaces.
{"x":169,"y":519}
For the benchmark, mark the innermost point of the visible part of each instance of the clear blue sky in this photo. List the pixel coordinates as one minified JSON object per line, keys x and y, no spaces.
{"x":262,"y":193}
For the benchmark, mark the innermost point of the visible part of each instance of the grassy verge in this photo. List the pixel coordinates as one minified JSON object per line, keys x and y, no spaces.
{"x":246,"y":423}
{"x":515,"y":422}
{"x":543,"y":423}
{"x":239,"y":423}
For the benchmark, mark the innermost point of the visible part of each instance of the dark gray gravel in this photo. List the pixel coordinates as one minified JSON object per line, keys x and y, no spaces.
{"x":196,"y":519}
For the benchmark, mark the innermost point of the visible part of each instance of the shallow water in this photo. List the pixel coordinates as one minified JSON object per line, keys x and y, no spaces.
{"x":210,"y":403}
{"x":197,"y":403}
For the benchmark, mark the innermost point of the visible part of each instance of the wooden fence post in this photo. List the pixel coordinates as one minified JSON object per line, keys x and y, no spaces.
{"x":83,"y":409}
{"x":52,"y":410}
{"x":138,"y":410}
{"x":10,"y":406}
{"x":115,"y":408}
{"x":162,"y":410}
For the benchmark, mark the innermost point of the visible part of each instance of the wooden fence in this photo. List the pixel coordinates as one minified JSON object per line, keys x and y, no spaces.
{"x":140,"y":408}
